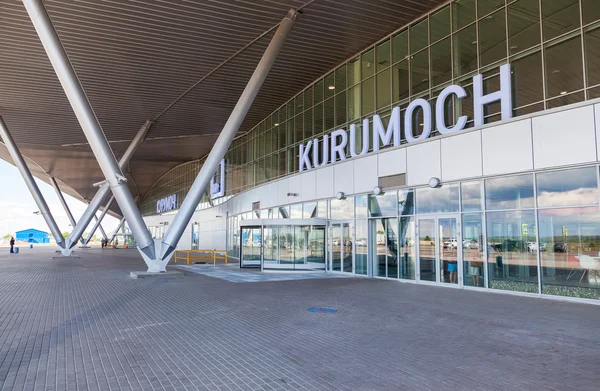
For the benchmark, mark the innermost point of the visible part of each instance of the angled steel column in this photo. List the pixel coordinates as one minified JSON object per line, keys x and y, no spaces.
{"x":30,"y":182}
{"x":91,"y":127}
{"x":99,"y":219}
{"x":114,"y":235}
{"x":101,"y":194}
{"x":100,"y":228}
{"x":169,"y":242}
{"x":62,"y":200}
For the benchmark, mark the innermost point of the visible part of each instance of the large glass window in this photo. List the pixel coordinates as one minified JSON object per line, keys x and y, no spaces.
{"x":570,"y":252}
{"x":473,"y":246}
{"x":523,"y":25}
{"x":492,"y":38}
{"x":564,"y":68}
{"x":471,"y":197}
{"x":513,"y":192}
{"x":361,"y":252}
{"x":406,"y":202}
{"x":559,"y":17}
{"x":512,"y":251}
{"x":383,"y":205}
{"x":342,"y":209}
{"x":465,"y":51}
{"x":439,"y":200}
{"x":407,"y":253}
{"x":568,"y":187}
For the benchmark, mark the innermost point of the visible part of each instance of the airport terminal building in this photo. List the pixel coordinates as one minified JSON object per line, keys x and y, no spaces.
{"x":461,"y":150}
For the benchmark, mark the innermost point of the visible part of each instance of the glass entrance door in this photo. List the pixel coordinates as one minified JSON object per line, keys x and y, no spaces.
{"x":251,"y":245}
{"x":440,"y":250}
{"x":342,"y":247}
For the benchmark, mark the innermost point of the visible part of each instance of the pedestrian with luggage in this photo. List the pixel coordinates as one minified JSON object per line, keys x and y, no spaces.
{"x":12,"y":245}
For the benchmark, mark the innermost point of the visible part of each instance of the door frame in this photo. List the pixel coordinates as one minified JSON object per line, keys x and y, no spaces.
{"x":251,"y":227}
{"x":459,"y":249}
{"x":340,"y":224}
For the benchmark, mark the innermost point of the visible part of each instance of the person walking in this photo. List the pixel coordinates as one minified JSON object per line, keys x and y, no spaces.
{"x":12,"y":245}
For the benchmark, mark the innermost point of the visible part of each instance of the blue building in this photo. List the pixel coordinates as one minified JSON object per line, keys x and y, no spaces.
{"x":32,"y":236}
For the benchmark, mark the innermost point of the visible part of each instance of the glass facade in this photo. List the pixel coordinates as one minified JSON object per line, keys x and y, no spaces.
{"x":535,"y":233}
{"x":553,"y":47}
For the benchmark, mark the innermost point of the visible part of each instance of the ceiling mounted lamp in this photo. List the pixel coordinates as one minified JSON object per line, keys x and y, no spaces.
{"x":331,"y":87}
{"x":434,"y":182}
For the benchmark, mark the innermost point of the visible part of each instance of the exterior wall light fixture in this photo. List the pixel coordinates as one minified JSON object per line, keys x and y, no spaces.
{"x":292,"y":194}
{"x":340,"y":195}
{"x":377,"y":190}
{"x":434,"y":182}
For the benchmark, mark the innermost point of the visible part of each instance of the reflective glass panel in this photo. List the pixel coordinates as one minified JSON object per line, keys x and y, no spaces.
{"x":329,"y":113}
{"x":296,"y":211}
{"x":515,"y":192}
{"x":361,"y":257}
{"x":590,"y":11}
{"x":592,"y":54}
{"x":484,"y":7}
{"x":569,"y":187}
{"x":419,"y":72}
{"x":473,"y":246}
{"x":368,"y":96}
{"x":315,"y":255}
{"x":354,"y":103}
{"x":400,"y":46}
{"x":528,"y":84}
{"x":309,"y":210}
{"x":340,"y":78}
{"x":379,"y":249}
{"x":419,"y":37}
{"x":400,"y":80}
{"x":471,"y":196}
{"x":559,"y":17}
{"x":384,"y":93}
{"x":383,"y":205}
{"x":367,"y":68}
{"x":441,"y":62}
{"x":512,"y":251}
{"x":465,"y":51}
{"x":361,"y":206}
{"x":406,"y":202}
{"x":342,"y":209}
{"x":492,"y":38}
{"x":354,"y":71}
{"x":564,"y":70}
{"x":427,"y":249}
{"x":392,"y":247}
{"x":383,"y":55}
{"x":340,"y":109}
{"x":407,"y":251}
{"x":463,"y":13}
{"x":318,"y":93}
{"x":448,"y":250}
{"x":523,"y":25}
{"x":439,"y":200}
{"x":329,"y":87}
{"x":322,"y":209}
{"x":439,"y":24}
{"x":570,"y":252}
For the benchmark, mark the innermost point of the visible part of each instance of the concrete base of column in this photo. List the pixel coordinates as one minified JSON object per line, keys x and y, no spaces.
{"x":155,"y":275}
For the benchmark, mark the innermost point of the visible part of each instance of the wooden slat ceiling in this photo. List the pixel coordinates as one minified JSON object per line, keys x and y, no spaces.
{"x":135,"y":57}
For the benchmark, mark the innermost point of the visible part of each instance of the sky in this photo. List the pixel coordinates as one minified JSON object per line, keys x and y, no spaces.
{"x":17,"y":206}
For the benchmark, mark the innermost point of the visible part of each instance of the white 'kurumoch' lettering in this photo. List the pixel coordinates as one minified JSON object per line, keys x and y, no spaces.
{"x":333,"y":146}
{"x":166,"y":204}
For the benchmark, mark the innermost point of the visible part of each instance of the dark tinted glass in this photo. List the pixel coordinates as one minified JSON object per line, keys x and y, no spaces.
{"x":564,"y":71}
{"x":523,"y":25}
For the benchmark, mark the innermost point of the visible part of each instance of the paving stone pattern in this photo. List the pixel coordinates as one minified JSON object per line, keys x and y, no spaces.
{"x":83,"y":324}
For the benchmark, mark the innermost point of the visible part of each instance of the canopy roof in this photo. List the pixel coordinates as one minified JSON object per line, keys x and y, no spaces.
{"x":173,"y":61}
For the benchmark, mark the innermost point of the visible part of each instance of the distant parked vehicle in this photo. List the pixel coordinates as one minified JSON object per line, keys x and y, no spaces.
{"x":560,"y":247}
{"x":534,"y":246}
{"x":452,"y":243}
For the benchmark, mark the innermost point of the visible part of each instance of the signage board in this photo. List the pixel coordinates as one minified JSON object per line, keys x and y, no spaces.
{"x":166,"y":204}
{"x":333,"y":146}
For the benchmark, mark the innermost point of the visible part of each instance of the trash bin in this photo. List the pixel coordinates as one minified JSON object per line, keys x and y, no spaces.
{"x":16,"y":250}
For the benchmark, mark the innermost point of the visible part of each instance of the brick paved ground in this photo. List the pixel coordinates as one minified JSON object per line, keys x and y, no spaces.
{"x":84,"y":324}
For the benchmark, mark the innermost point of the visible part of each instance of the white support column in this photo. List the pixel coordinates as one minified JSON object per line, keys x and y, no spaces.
{"x":114,"y":235}
{"x":100,"y":196}
{"x":169,"y":242}
{"x":91,"y":128}
{"x":99,"y":219}
{"x":102,"y":232}
{"x":30,"y":182}
{"x":62,"y":200}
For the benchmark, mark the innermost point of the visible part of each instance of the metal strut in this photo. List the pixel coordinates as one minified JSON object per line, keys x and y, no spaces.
{"x":91,"y":127}
{"x":99,"y":220}
{"x":229,"y":131}
{"x":30,"y":182}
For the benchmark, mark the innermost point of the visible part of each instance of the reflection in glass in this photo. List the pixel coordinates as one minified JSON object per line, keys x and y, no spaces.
{"x":523,"y":25}
{"x":271,"y":246}
{"x":419,"y":37}
{"x":378,"y":248}
{"x":528,"y":81}
{"x":336,"y":248}
{"x":367,"y":97}
{"x":484,"y":7}
{"x":342,"y":209}
{"x":340,"y":78}
{"x":354,"y":71}
{"x":329,"y":87}
{"x":406,"y":202}
{"x":383,"y":55}
{"x":322,"y":209}
{"x":251,"y":243}
{"x":296,"y":211}
{"x":448,"y":250}
{"x":427,"y":253}
{"x":471,"y":196}
{"x":473,"y":246}
{"x":441,"y":62}
{"x":440,"y":200}
{"x":592,"y":54}
{"x":515,"y":192}
{"x":340,"y":109}
{"x":361,"y":257}
{"x":512,"y":251}
{"x":492,"y":38}
{"x":439,"y":24}
{"x":400,"y":46}
{"x":463,"y":13}
{"x":465,"y":51}
{"x":366,"y":67}
{"x":315,"y":256}
{"x":564,"y":70}
{"x":590,"y":11}
{"x":383,"y":204}
{"x":570,"y":252}
{"x":348,"y":253}
{"x":391,"y":245}
{"x":559,"y":17}
{"x":300,"y":245}
{"x":361,"y":206}
{"x":407,"y":253}
{"x":354,"y":103}
{"x":419,"y":72}
{"x":568,"y":187}
{"x":401,"y":84}
{"x":309,"y":210}
{"x":384,"y":93}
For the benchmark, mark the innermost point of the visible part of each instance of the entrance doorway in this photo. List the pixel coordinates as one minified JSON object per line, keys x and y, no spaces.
{"x":439,"y":250}
{"x":251,"y":238}
{"x":342,"y":247}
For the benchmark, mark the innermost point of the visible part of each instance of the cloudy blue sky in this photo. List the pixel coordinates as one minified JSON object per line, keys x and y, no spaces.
{"x":17,"y":205}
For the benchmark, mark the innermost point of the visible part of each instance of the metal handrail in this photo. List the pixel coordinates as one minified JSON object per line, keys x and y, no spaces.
{"x":190,"y":255}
